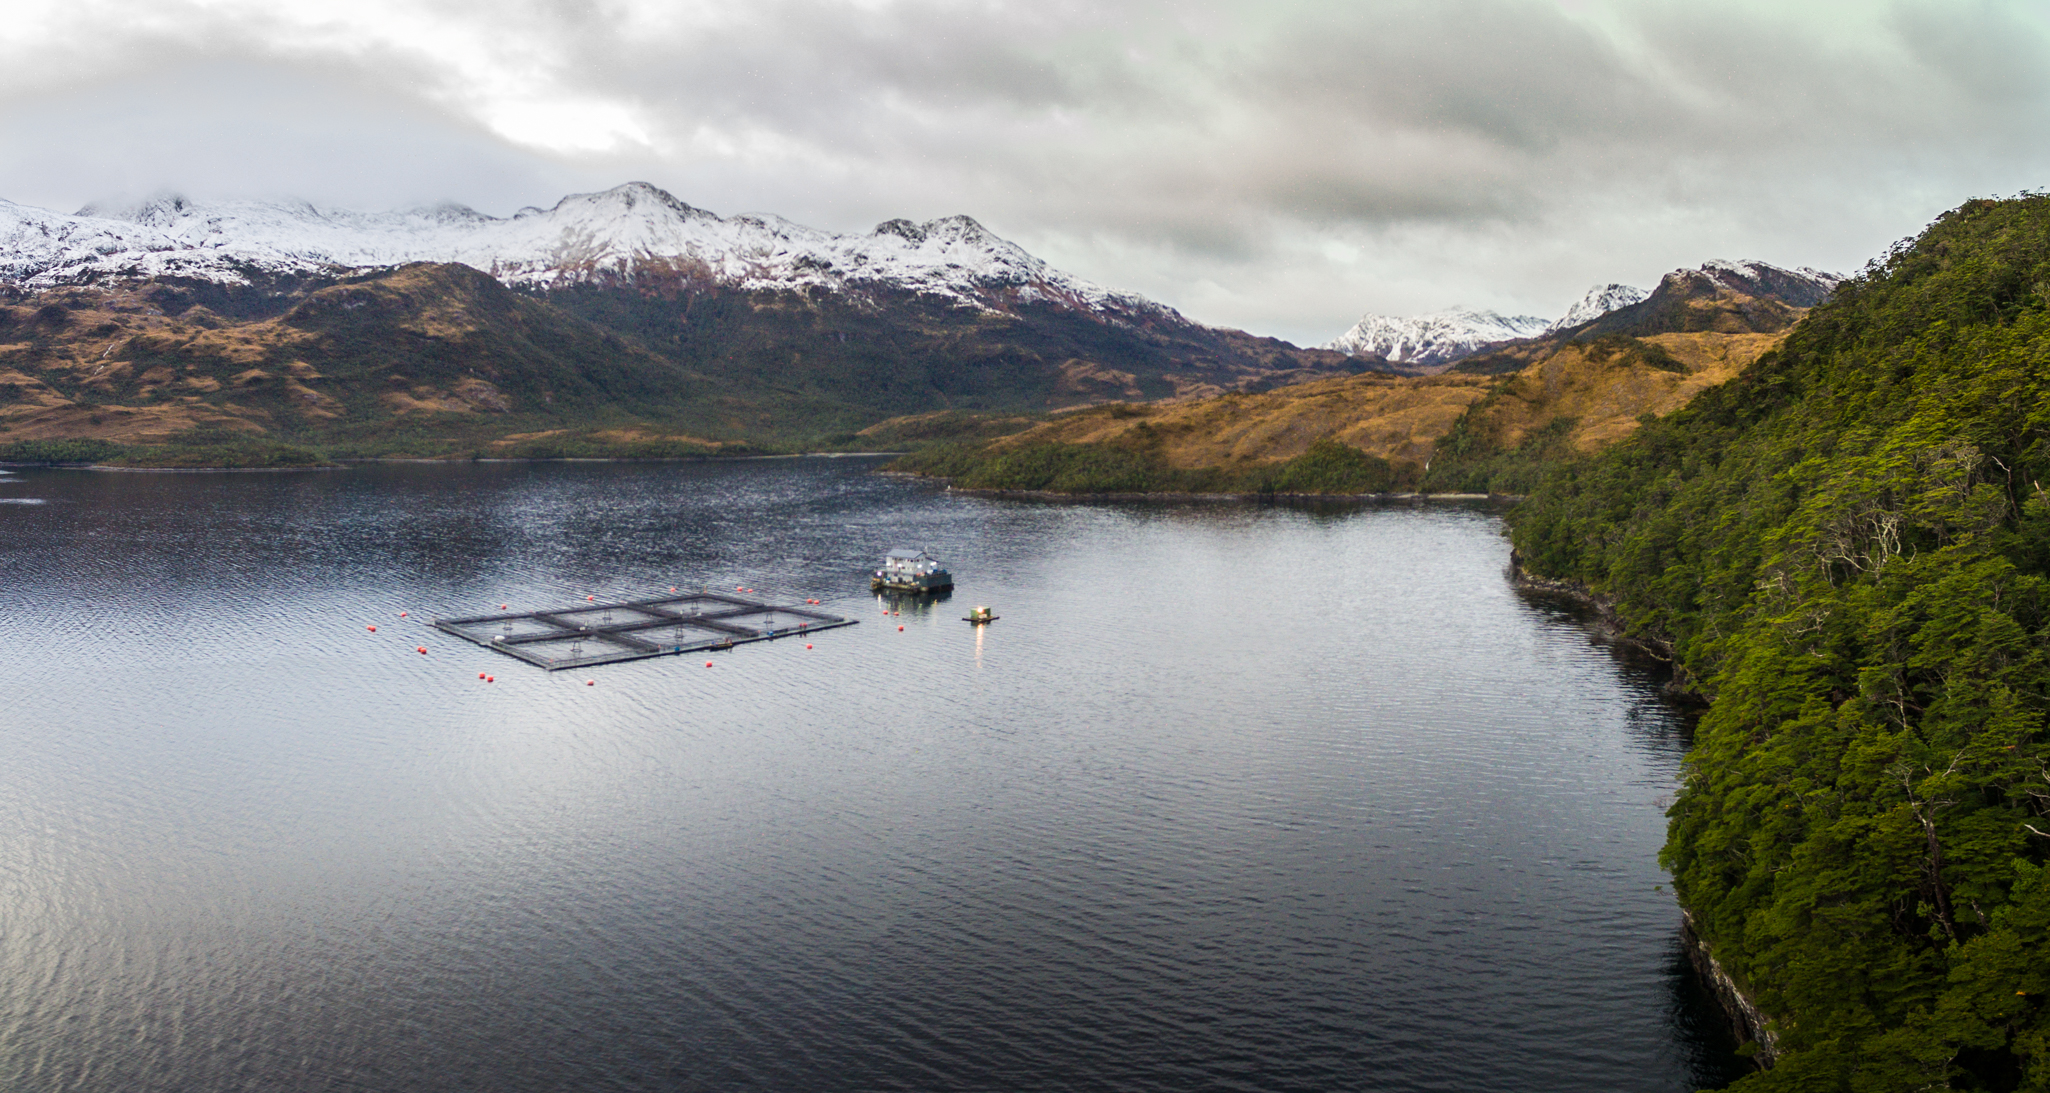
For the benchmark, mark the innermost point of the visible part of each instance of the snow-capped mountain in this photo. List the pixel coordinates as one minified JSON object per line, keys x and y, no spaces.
{"x":1423,"y":341}
{"x":1599,"y":301}
{"x":1801,"y":287}
{"x":623,"y":233}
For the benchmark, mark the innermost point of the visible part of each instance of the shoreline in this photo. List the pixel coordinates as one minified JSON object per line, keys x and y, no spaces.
{"x":1609,"y":625}
{"x":346,"y":464}
{"x":1746,"y":1019}
{"x":1170,"y":495}
{"x":1749,"y":1023}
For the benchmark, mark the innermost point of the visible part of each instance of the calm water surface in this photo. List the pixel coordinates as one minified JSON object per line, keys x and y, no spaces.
{"x":1231,"y":798}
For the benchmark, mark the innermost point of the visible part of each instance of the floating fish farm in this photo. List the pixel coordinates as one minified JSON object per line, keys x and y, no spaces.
{"x":602,"y":633}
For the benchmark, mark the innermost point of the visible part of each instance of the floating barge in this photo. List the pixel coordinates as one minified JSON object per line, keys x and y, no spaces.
{"x":912,"y":571}
{"x":602,"y":633}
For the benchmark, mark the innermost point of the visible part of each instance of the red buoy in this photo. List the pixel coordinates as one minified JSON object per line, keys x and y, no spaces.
{"x":708,"y":664}
{"x":481,"y":675}
{"x":402,"y":614}
{"x":423,"y":648}
{"x":807,"y":647}
{"x":490,"y":679}
{"x":501,"y":607}
{"x":589,"y":599}
{"x":900,"y":628}
{"x":590,"y":683}
{"x":372,"y":629}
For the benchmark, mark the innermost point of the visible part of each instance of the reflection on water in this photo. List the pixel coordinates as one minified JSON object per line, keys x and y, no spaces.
{"x":1232,"y":797}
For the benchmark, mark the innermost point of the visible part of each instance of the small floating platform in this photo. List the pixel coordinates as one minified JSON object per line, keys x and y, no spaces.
{"x":602,"y":633}
{"x":981,"y":615}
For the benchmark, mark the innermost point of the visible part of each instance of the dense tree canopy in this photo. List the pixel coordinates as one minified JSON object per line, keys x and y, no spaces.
{"x":1848,"y":549}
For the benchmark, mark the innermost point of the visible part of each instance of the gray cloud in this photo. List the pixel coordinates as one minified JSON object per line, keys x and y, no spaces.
{"x":1282,"y":167}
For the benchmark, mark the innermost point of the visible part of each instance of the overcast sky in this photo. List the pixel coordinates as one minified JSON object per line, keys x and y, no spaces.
{"x":1282,"y":167}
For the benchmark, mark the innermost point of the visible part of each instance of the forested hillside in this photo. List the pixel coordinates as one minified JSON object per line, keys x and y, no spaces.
{"x":1848,"y":548}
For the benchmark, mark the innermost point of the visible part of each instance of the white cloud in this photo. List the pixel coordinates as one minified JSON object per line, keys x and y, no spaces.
{"x":565,"y":125}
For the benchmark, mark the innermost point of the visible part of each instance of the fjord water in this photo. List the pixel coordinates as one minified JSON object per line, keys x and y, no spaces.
{"x":1231,"y":797}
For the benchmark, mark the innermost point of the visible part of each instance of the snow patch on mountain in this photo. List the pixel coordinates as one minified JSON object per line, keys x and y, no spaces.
{"x":1802,"y":287}
{"x":1423,"y":341}
{"x":1599,"y":301}
{"x":626,"y":232}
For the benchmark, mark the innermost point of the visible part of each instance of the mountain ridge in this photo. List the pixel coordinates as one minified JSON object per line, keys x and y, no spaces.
{"x":1426,"y":343}
{"x":611,"y":235}
{"x":911,"y":317}
{"x":1429,"y":343}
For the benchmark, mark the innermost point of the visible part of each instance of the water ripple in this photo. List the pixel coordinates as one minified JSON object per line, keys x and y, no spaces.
{"x":1231,"y":798}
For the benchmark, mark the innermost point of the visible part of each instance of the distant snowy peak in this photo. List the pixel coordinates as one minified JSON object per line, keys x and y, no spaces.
{"x":1423,"y":341}
{"x":1440,"y":338}
{"x":622,"y":233}
{"x":1427,"y":341}
{"x":1599,"y":301}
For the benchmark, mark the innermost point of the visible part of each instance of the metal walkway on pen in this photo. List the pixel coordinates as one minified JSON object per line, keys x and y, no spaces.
{"x":601,"y":633}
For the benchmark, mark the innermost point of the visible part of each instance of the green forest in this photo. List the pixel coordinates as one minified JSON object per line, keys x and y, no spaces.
{"x":1848,"y":550}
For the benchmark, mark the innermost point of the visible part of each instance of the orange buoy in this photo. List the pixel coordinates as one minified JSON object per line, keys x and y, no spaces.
{"x":900,"y":628}
{"x":708,"y":664}
{"x":423,"y":648}
{"x":481,"y":675}
{"x":590,"y":683}
{"x":372,"y":629}
{"x":490,"y":679}
{"x":807,"y":647}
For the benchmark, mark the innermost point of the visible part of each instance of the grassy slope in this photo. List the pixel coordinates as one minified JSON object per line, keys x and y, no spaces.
{"x":1849,"y":548}
{"x":1453,"y":432}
